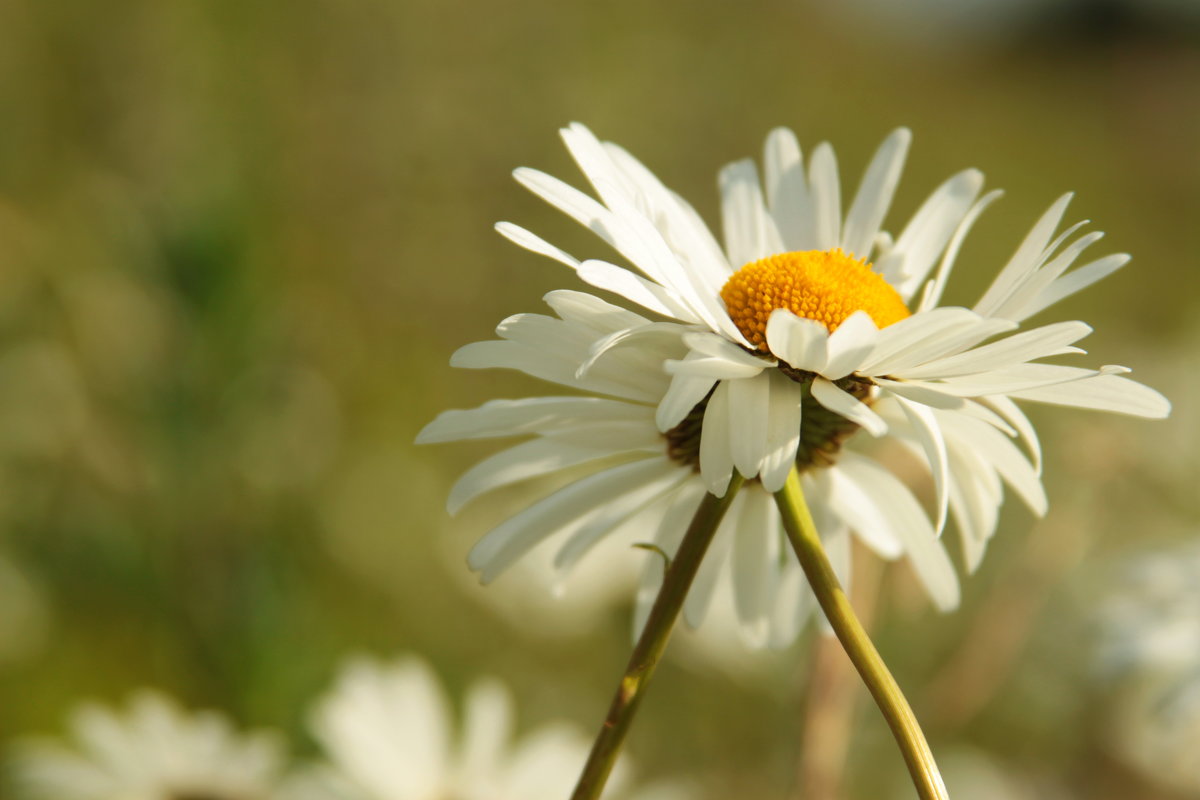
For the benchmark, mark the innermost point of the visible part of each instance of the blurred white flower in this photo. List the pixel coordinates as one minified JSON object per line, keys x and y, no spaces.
{"x":1154,"y":727}
{"x":154,"y":750}
{"x":1148,"y":655}
{"x":1149,"y":620}
{"x":388,"y":732}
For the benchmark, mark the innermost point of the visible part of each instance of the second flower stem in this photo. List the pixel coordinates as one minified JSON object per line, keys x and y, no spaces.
{"x":653,"y":641}
{"x":802,"y":532}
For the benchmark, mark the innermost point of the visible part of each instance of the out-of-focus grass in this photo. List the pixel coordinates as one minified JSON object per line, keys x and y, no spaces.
{"x":239,"y":241}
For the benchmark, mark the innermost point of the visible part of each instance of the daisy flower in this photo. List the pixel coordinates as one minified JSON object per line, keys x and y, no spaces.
{"x":780,"y":349}
{"x":387,"y":730}
{"x":153,"y":751}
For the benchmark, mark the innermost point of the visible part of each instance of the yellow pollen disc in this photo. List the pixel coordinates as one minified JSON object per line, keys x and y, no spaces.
{"x":822,"y":285}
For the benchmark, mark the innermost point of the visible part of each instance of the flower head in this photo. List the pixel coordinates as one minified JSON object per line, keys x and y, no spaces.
{"x":153,"y":751}
{"x":779,"y":349}
{"x":643,"y":484}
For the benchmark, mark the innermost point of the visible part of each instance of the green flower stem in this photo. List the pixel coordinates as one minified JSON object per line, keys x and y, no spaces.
{"x":653,"y":641}
{"x":883,"y":687}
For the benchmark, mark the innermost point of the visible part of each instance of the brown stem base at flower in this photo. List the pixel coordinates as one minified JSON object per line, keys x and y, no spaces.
{"x":652,"y":642}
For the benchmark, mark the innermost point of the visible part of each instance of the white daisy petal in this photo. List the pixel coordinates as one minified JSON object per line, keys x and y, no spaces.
{"x":514,"y":537}
{"x":794,"y":605}
{"x":937,"y":286}
{"x":930,"y":229}
{"x":750,"y":232}
{"x":783,"y":431}
{"x":835,"y":538}
{"x":672,"y":274}
{"x":562,"y":346}
{"x":951,"y":341}
{"x":711,"y":345}
{"x":927,"y":331}
{"x":635,"y":289}
{"x":787,"y":191}
{"x":1007,"y":409}
{"x":1007,"y":459}
{"x":1041,"y":342}
{"x":1072,"y":251}
{"x":698,"y":235}
{"x":649,"y":584}
{"x":716,"y":460}
{"x":535,"y":244}
{"x":569,"y":200}
{"x":1016,"y":381}
{"x":755,"y":552}
{"x":847,"y":499}
{"x":699,"y":598}
{"x":826,"y":194}
{"x":1018,"y":302}
{"x":713,"y":367}
{"x":929,"y":433}
{"x":682,"y":228}
{"x":798,"y":341}
{"x":838,"y":542}
{"x":1075,"y":281}
{"x":531,"y":361}
{"x":618,"y":233}
{"x":975,"y":496}
{"x":503,"y":418}
{"x":850,"y":345}
{"x":977,"y":409}
{"x":927,"y":394}
{"x":561,"y":341}
{"x":596,"y":164}
{"x":749,"y":409}
{"x":376,"y":710}
{"x":680,"y":508}
{"x":841,"y":402}
{"x":875,"y":194}
{"x":619,"y":509}
{"x":546,"y":455}
{"x":1101,"y":393}
{"x":598,"y":316}
{"x":666,"y":333}
{"x":1024,"y":260}
{"x":487,"y":727}
{"x":684,"y":394}
{"x":909,"y":524}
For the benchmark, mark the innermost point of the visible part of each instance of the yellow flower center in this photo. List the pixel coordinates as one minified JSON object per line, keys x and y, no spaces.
{"x":822,"y":285}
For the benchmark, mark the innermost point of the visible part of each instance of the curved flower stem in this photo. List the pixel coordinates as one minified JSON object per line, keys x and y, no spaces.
{"x":653,"y":641}
{"x":883,"y":687}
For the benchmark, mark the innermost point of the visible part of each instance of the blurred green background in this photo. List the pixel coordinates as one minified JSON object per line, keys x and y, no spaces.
{"x":239,"y":241}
